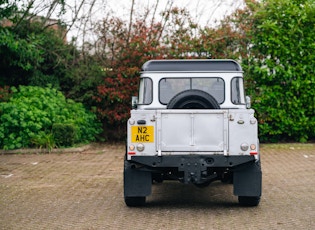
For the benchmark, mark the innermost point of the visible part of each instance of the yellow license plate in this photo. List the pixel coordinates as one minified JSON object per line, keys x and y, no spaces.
{"x":142,"y":134}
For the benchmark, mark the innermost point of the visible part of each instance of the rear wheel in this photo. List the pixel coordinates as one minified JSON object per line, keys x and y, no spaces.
{"x":135,"y":201}
{"x":249,"y":201}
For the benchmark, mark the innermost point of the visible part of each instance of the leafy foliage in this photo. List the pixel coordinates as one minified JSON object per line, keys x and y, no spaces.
{"x":282,"y":69}
{"x":64,"y":134}
{"x":5,"y":93}
{"x":7,"y":8}
{"x":33,"y":53}
{"x":29,"y":115}
{"x":122,"y":60}
{"x":32,"y":56}
{"x":19,"y":56}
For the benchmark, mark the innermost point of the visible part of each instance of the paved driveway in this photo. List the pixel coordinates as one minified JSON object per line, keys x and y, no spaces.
{"x":85,"y":191}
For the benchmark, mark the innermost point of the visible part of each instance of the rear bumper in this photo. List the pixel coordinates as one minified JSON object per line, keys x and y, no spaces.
{"x":201,"y":162}
{"x":247,"y":175}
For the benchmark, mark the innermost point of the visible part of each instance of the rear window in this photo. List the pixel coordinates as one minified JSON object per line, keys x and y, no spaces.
{"x":169,"y":87}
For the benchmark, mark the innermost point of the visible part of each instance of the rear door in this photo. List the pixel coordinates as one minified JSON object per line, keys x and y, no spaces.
{"x":192,"y":131}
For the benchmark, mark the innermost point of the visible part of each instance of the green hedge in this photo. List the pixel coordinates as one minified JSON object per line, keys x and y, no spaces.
{"x":281,"y":70}
{"x":31,"y":116}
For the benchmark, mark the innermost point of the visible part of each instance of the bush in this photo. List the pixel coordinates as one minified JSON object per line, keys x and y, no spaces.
{"x":4,"y":93}
{"x":281,"y":70}
{"x":64,"y":134}
{"x":27,"y":119}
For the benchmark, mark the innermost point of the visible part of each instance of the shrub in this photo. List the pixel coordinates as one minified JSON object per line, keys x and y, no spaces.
{"x":281,"y":70}
{"x":44,"y":140}
{"x":28,"y":117}
{"x":4,"y":93}
{"x":64,"y":134}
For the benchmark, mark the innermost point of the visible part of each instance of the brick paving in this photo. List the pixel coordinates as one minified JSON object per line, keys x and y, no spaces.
{"x":85,"y":191}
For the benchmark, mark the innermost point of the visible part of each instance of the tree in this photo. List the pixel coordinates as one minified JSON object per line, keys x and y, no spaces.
{"x":282,"y":68}
{"x":123,"y":48}
{"x":121,"y":61}
{"x":35,"y":52}
{"x":22,"y":44}
{"x":7,"y":8}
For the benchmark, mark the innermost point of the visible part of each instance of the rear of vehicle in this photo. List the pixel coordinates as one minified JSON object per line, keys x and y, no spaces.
{"x":191,"y":124}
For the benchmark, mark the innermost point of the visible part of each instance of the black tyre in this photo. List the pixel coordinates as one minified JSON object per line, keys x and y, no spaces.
{"x":193,"y":99}
{"x":135,"y":201}
{"x":249,"y":201}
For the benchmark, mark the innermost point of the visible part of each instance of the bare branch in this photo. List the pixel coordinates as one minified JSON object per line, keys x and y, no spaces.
{"x":76,"y":13}
{"x":26,"y":13}
{"x":154,"y":12}
{"x":165,"y":17}
{"x":87,"y":19}
{"x":130,"y":20}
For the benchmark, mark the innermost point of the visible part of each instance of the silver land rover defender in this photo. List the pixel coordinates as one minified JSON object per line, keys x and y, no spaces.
{"x":192,"y":122}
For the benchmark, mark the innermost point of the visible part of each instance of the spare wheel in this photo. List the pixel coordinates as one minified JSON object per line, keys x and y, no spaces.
{"x":193,"y":99}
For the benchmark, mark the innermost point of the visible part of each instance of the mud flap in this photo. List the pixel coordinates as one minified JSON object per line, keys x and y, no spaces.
{"x":136,"y":183}
{"x":247,"y":180}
